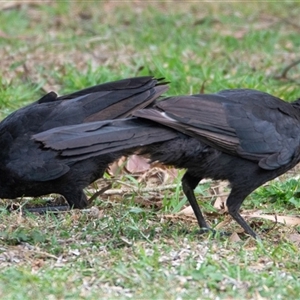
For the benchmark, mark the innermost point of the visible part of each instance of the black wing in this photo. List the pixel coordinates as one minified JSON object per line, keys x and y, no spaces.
{"x":83,"y":141}
{"x":102,"y":102}
{"x":246,"y":123}
{"x":120,"y":97}
{"x":109,"y":100}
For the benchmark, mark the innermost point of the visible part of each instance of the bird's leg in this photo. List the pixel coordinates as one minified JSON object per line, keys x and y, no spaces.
{"x":76,"y":198}
{"x":100,"y":192}
{"x":234,"y":202}
{"x":189,"y":183}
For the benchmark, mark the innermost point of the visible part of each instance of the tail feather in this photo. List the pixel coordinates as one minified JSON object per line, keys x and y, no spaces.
{"x":125,"y":107}
{"x":123,"y":84}
{"x":87,"y":140}
{"x":117,"y":99}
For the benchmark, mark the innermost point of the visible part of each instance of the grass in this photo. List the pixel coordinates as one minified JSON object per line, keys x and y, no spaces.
{"x":121,"y":249}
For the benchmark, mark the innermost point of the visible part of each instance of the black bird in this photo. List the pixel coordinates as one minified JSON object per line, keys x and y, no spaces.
{"x":244,"y":136}
{"x":27,"y":170}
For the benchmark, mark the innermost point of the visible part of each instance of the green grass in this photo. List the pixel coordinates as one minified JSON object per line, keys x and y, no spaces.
{"x":121,"y":249}
{"x":133,"y":253}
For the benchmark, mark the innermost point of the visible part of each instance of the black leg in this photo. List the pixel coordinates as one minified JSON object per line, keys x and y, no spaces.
{"x":234,"y":202}
{"x":189,"y":183}
{"x":76,"y":199}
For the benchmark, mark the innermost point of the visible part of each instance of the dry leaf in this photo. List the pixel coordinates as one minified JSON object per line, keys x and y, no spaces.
{"x":137,"y":164}
{"x":234,"y":237}
{"x":224,"y":223}
{"x":116,"y":167}
{"x":222,"y":195}
{"x":287,"y":220}
{"x":172,"y":172}
{"x":220,"y":203}
{"x":188,"y":211}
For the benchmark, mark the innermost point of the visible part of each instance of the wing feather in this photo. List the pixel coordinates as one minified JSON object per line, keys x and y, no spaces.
{"x":247,"y":123}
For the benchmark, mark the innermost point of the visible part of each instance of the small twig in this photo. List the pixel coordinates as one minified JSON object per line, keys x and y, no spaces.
{"x":140,"y":190}
{"x":286,"y":69}
{"x":267,"y":230}
{"x":130,"y":186}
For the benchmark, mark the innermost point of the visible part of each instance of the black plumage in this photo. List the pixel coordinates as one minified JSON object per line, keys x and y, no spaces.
{"x":28,"y":170}
{"x":244,"y":136}
{"x":253,"y":137}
